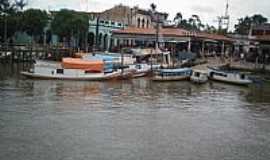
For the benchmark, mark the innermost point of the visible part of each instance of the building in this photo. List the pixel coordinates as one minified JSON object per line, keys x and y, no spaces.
{"x":102,"y":25}
{"x":181,"y":39}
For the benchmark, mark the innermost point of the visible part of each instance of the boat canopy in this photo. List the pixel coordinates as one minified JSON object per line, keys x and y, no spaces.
{"x":106,"y":58}
{"x":77,"y":63}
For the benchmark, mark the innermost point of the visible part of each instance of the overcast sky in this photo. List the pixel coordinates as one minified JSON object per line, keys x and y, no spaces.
{"x":208,"y":10}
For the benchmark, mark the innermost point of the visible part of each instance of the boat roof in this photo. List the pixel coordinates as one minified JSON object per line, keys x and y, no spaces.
{"x":223,"y":71}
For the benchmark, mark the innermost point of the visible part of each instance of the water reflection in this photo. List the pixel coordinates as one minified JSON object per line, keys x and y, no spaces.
{"x":136,"y":119}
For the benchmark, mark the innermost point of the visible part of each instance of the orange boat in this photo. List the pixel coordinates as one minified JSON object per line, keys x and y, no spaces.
{"x":77,"y":63}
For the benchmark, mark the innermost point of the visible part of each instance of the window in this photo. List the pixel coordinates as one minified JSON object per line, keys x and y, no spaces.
{"x":143,"y":22}
{"x":138,"y":22}
{"x":197,"y":74}
{"x":113,"y":23}
{"x":119,"y":24}
{"x":60,"y":71}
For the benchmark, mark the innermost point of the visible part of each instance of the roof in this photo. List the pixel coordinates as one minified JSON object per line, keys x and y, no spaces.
{"x":263,"y":38}
{"x":213,"y":36}
{"x":172,"y":32}
{"x":151,"y":31}
{"x":265,"y":26}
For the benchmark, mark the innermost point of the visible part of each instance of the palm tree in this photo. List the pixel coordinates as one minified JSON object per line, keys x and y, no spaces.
{"x":20,"y":4}
{"x":178,"y":18}
{"x":153,"y":7}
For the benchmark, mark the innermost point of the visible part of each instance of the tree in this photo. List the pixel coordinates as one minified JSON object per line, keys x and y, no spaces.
{"x":210,"y":29}
{"x":153,"y":7}
{"x":6,"y":7}
{"x":34,"y":22}
{"x":178,"y":18}
{"x":244,"y":24}
{"x":20,"y":4}
{"x":68,"y":24}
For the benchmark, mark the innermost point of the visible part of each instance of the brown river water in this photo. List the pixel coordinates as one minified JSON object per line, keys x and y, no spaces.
{"x":131,"y":120}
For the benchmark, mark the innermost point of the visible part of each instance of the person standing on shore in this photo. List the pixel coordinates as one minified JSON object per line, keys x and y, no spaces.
{"x":242,"y":57}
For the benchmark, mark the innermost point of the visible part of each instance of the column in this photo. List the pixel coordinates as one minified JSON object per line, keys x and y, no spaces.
{"x":189,"y":45}
{"x":203,"y":48}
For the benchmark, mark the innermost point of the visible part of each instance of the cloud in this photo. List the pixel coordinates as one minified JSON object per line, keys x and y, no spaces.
{"x":203,"y":9}
{"x":208,"y":10}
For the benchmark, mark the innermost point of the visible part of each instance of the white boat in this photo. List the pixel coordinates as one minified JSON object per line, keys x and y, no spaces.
{"x":45,"y":70}
{"x":172,"y":74}
{"x":199,"y":76}
{"x":228,"y":76}
{"x":141,"y":70}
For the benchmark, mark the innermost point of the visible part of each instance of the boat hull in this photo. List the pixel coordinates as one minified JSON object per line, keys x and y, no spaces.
{"x":176,"y":78}
{"x":228,"y":77}
{"x":97,"y":77}
{"x":198,"y":80}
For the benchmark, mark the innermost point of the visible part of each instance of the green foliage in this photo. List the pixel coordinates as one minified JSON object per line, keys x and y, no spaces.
{"x":244,"y":24}
{"x":67,"y":24}
{"x":34,"y":22}
{"x":193,"y":23}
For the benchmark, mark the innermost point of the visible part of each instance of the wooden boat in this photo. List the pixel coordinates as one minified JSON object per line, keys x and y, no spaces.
{"x":199,"y":76}
{"x":232,"y":77}
{"x":172,"y":74}
{"x":44,"y":70}
{"x":141,"y":70}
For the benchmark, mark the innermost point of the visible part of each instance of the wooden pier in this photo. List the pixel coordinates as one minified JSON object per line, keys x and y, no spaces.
{"x":28,"y":53}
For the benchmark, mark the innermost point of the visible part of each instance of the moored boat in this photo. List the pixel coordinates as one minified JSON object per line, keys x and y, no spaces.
{"x":48,"y":70}
{"x":232,"y":77}
{"x":172,"y":74}
{"x":199,"y":76}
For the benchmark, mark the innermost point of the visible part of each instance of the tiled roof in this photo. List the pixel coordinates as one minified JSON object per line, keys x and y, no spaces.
{"x":151,"y":31}
{"x":263,"y":38}
{"x":214,"y":37}
{"x":171,"y":32}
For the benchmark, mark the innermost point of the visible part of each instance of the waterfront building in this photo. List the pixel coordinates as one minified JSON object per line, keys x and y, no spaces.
{"x":181,"y":39}
{"x":103,"y":24}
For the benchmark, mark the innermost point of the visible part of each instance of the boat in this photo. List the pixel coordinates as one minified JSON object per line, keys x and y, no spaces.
{"x":199,"y":76}
{"x":172,"y":74}
{"x":77,"y":63}
{"x":141,"y":70}
{"x":232,"y":77}
{"x":50,"y":70}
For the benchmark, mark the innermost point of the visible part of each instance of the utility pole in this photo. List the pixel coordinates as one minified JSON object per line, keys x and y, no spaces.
{"x":224,"y":21}
{"x":97,"y":33}
{"x":5,"y":29}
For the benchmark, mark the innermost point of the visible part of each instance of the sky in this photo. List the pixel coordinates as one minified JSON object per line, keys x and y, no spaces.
{"x":208,"y":10}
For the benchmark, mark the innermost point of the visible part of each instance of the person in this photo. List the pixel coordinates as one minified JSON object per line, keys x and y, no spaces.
{"x":242,"y":57}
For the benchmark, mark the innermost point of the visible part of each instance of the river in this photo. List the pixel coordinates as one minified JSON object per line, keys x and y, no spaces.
{"x":131,"y":120}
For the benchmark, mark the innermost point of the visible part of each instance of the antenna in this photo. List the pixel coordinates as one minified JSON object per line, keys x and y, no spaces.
{"x":224,"y":21}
